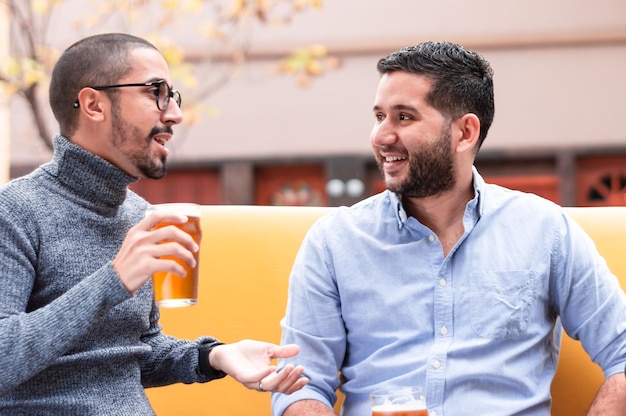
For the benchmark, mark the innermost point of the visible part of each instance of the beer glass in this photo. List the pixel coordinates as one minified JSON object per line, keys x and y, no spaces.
{"x":170,"y":289}
{"x":399,"y":401}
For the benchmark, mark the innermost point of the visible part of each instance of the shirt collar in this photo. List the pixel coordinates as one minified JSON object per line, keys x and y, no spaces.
{"x":476,"y":205}
{"x":479,"y":189}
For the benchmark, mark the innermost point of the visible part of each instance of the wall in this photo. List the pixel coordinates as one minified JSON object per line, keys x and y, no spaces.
{"x":558,"y":73}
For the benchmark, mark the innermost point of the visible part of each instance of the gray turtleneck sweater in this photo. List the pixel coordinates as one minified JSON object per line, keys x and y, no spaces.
{"x":73,"y":341}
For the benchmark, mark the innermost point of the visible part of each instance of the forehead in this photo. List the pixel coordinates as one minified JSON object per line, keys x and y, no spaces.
{"x":401,"y":87}
{"x":148,"y":65}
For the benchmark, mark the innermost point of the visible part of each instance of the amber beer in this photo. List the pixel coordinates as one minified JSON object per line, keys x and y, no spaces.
{"x":170,"y":289}
{"x":401,"y":401}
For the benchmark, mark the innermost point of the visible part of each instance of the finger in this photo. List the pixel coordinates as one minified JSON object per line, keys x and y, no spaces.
{"x":271,"y":380}
{"x":252,"y":381}
{"x":294,"y":380}
{"x":292,"y":374}
{"x":169,"y":266}
{"x":261,"y":376}
{"x":283,"y":373}
{"x":283,"y":379}
{"x":301,"y":382}
{"x":171,"y":251}
{"x":173,"y":233}
{"x":284,"y":351}
{"x":154,"y":218}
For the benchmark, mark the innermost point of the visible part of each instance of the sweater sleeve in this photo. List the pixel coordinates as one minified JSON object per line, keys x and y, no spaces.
{"x":33,"y":336}
{"x":173,"y":360}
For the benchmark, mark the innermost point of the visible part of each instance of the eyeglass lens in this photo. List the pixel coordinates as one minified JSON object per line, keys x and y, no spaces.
{"x":163,"y":99}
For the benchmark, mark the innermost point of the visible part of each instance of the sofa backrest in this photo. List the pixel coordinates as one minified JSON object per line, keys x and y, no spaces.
{"x":245,"y":260}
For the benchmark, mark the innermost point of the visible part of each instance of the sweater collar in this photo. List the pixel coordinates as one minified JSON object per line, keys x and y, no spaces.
{"x":87,"y":174}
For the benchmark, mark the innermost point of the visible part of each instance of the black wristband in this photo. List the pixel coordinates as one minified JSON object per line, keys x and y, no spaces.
{"x":203,"y":359}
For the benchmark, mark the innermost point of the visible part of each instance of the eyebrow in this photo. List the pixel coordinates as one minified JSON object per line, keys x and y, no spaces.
{"x":156,"y":79}
{"x":398,"y":107}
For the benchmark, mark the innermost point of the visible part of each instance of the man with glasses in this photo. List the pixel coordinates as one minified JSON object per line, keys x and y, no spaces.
{"x":79,"y":330}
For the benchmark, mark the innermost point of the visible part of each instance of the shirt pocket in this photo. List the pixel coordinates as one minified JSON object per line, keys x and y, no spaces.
{"x":501,"y":302}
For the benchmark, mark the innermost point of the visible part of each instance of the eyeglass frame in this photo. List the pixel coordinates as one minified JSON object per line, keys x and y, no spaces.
{"x":171,"y":93}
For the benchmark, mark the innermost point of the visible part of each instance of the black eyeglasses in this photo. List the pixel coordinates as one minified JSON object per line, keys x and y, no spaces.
{"x":162,"y":92}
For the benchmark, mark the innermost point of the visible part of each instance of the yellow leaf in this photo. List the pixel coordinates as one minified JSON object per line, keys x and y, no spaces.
{"x":41,"y":6}
{"x":303,"y":4}
{"x":210,"y":31}
{"x":9,"y":88}
{"x":237,"y":8}
{"x":195,"y":6}
{"x":263,"y":5}
{"x":318,"y":50}
{"x":314,"y":68}
{"x":14,"y":68}
{"x":171,"y":5}
{"x":173,"y":55}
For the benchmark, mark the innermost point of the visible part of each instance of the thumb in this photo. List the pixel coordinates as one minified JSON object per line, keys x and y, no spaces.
{"x":284,"y":351}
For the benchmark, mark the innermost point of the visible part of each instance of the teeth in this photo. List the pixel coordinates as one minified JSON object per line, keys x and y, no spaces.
{"x":393,"y":158}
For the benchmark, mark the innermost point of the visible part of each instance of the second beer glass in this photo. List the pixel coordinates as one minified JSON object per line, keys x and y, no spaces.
{"x":399,"y":401}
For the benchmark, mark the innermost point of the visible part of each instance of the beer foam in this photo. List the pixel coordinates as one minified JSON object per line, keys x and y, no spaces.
{"x":390,"y":407}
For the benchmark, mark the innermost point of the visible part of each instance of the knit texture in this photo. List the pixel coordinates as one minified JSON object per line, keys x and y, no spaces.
{"x":73,"y":340}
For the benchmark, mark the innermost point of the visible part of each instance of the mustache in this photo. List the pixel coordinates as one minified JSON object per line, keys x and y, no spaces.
{"x":159,"y":130}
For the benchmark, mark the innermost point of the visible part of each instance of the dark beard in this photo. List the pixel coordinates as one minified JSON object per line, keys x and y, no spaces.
{"x":147,"y":167}
{"x":143,"y":162}
{"x":431,"y":170}
{"x":152,"y":171}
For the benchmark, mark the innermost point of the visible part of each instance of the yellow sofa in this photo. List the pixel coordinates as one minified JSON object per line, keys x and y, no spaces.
{"x":245,"y":259}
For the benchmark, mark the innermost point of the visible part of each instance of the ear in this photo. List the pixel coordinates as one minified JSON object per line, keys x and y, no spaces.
{"x":93,"y":104}
{"x":467,"y":128}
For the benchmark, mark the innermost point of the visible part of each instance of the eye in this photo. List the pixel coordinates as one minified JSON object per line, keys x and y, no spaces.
{"x":404,"y":117}
{"x":379,"y":117}
{"x":155,"y":90}
{"x":159,"y":88}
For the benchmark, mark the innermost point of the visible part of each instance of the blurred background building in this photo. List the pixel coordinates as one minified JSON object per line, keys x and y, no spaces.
{"x":560,"y":86}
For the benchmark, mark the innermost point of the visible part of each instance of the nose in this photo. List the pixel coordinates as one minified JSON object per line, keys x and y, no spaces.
{"x":172,"y":114}
{"x":383,"y":134}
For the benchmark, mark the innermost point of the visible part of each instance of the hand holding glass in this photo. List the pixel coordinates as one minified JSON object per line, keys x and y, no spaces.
{"x":170,"y":289}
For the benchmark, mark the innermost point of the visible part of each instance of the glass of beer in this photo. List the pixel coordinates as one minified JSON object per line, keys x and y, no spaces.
{"x":399,"y":401}
{"x":170,"y":289}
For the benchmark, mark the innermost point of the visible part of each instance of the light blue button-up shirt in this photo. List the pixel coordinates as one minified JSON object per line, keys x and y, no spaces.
{"x":372,"y":296}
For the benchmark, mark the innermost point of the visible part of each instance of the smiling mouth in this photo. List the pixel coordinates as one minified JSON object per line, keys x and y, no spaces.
{"x":393,"y":158}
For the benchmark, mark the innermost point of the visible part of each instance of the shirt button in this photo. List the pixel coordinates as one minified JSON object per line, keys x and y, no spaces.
{"x":442,"y":282}
{"x":431,"y":238}
{"x":436,"y":364}
{"x":444,"y":330}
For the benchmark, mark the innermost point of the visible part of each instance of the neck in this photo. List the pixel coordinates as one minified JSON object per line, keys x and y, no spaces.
{"x":443,"y":213}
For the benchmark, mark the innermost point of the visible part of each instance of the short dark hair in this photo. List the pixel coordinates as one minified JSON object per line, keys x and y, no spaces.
{"x":462,"y":80}
{"x":96,"y":60}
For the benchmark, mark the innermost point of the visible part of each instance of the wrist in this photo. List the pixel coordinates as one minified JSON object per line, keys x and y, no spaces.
{"x":204,"y":361}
